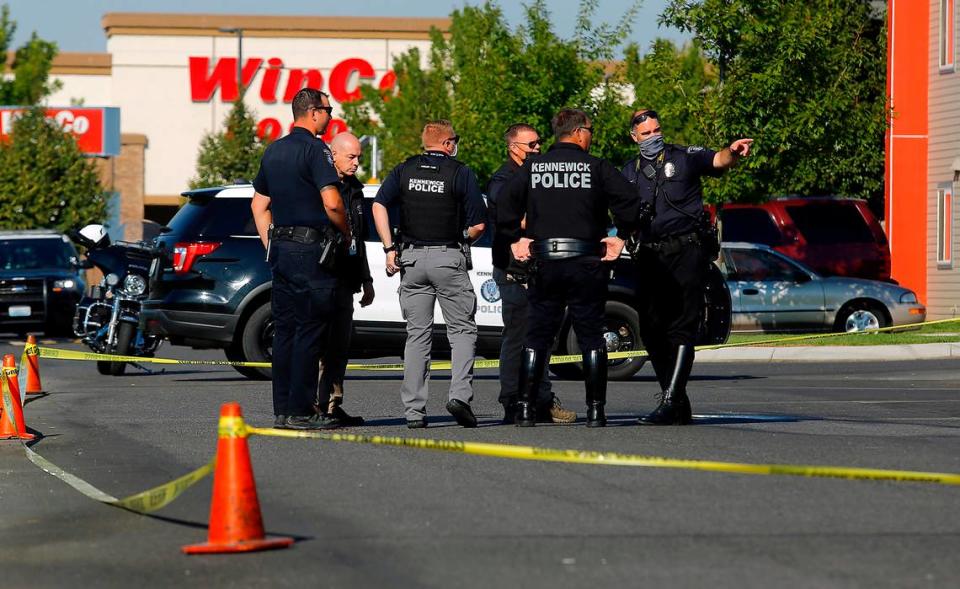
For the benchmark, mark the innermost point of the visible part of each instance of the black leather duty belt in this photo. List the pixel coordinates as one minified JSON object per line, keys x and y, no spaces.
{"x":562,"y":248}
{"x":420,"y":246}
{"x":299,"y":234}
{"x":674,"y":242}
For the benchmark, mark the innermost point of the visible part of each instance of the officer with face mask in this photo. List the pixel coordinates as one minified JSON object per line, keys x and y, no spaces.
{"x":566,"y":196}
{"x":672,"y":254}
{"x":441,"y":210}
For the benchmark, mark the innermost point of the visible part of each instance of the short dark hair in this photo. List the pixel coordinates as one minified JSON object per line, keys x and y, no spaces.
{"x":514,"y":130}
{"x":568,"y":120}
{"x":306,"y":99}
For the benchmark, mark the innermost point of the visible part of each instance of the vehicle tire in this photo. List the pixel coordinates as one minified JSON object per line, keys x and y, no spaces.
{"x":125,"y":333}
{"x":717,"y":308}
{"x":104,"y":367}
{"x":860,"y":315}
{"x":622,"y":334}
{"x":235,"y":354}
{"x":256,"y":338}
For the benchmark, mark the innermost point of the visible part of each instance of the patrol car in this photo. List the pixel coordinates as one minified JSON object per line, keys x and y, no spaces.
{"x":211,"y":289}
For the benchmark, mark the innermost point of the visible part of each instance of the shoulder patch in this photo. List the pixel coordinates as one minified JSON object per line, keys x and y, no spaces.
{"x":694,"y":149}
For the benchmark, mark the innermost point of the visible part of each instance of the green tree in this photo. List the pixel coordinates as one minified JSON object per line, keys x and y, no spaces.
{"x":44,"y":179}
{"x":806,"y":80}
{"x":230,"y":154}
{"x":485,"y":76}
{"x":31,"y":66}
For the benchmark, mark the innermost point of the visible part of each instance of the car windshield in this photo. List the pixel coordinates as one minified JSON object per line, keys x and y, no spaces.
{"x":33,"y":254}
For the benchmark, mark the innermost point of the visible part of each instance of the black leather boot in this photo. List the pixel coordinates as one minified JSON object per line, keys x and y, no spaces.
{"x":595,"y":382}
{"x":531,"y":373}
{"x":674,"y":407}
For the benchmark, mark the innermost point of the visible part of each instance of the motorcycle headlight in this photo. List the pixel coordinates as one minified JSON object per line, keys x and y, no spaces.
{"x":909,"y":297}
{"x":134,"y":284}
{"x":112,"y":279}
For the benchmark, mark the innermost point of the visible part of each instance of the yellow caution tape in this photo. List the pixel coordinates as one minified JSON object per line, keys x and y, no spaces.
{"x":143,"y":502}
{"x":617,"y":459}
{"x":58,"y":354}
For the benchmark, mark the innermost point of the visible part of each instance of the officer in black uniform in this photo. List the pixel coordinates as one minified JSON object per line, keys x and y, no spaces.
{"x":565,"y":195}
{"x":441,"y":212}
{"x":353,"y":276}
{"x":298,"y":212}
{"x":672,"y":254}
{"x":522,"y":140}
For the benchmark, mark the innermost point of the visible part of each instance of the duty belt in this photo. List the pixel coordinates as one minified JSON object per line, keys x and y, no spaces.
{"x":298,"y":234}
{"x":563,"y":248}
{"x":674,"y":243}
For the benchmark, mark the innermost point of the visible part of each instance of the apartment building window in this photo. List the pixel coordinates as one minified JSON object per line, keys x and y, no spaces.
{"x":945,"y":224}
{"x":947,"y":34}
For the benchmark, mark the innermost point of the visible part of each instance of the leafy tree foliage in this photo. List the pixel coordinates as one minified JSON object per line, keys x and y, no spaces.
{"x":31,"y":66}
{"x":485,"y":76}
{"x":44,"y":179}
{"x":230,"y":154}
{"x":805,"y":79}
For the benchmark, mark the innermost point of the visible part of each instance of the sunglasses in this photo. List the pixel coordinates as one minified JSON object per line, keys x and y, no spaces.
{"x":326,"y":109}
{"x":531,"y":144}
{"x":454,"y":139}
{"x":590,"y":128}
{"x":650,"y":114}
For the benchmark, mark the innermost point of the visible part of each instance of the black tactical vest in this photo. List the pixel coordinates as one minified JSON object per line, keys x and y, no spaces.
{"x":430,"y":212}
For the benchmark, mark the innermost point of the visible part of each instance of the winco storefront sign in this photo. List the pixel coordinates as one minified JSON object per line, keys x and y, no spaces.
{"x":97,"y":129}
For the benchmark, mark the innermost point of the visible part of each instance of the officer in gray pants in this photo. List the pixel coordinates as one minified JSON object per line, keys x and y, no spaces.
{"x":440,"y":207}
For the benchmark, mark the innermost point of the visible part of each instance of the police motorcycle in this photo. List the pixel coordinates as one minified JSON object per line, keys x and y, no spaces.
{"x":107,"y":319}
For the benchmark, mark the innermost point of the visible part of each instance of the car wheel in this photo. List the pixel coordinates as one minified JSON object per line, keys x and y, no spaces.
{"x":104,"y":367}
{"x":235,"y":354}
{"x":860,"y":316}
{"x":621,"y":333}
{"x":256,"y":340}
{"x":125,"y":333}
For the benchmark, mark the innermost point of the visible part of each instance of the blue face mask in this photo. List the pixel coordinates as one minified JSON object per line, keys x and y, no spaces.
{"x":651,"y":148}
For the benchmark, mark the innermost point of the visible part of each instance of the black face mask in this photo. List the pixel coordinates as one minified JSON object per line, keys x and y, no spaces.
{"x":650,"y":148}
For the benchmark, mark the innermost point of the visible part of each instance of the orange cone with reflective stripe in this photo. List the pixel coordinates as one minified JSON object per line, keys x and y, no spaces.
{"x":12,"y":426}
{"x":32,"y":365}
{"x":235,"y":521}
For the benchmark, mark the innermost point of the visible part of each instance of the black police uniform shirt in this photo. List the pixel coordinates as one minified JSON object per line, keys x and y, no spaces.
{"x":566,"y":193}
{"x":353,"y":268}
{"x":500,"y":251}
{"x":438,"y":198}
{"x":678,"y":173}
{"x":293,"y":171}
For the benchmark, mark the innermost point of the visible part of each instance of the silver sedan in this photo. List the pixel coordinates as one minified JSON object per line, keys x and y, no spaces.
{"x":772,"y":292}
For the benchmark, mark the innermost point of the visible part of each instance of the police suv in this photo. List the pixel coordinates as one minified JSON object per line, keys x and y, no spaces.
{"x":211,"y":289}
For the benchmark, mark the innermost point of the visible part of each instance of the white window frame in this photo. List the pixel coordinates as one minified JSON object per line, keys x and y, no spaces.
{"x":946,"y":43}
{"x":945,"y":225}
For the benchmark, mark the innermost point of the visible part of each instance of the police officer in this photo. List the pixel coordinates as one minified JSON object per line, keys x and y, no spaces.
{"x":298,"y":211}
{"x":441,"y":207}
{"x":353,"y":276}
{"x":673,"y":254}
{"x":565,"y":195}
{"x":521,"y":139}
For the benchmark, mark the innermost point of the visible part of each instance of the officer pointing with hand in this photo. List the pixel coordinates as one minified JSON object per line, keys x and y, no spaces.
{"x":441,"y":211}
{"x":673,"y":254}
{"x":565,"y":195}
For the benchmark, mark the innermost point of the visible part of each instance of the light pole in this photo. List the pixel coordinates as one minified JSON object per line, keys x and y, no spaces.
{"x":239,"y":33}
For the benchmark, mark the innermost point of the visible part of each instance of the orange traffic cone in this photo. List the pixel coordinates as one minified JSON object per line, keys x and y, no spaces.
{"x":32,"y":366}
{"x":11,"y":429}
{"x":235,"y":521}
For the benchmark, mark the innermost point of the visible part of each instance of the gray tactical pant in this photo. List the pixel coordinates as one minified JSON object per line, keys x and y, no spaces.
{"x":428,"y":275}
{"x":516,"y":311}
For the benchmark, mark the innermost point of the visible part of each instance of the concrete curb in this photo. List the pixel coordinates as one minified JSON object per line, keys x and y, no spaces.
{"x":832,"y":353}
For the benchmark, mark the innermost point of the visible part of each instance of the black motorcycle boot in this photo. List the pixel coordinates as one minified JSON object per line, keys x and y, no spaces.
{"x":531,"y":373}
{"x":674,"y":406}
{"x":595,"y":382}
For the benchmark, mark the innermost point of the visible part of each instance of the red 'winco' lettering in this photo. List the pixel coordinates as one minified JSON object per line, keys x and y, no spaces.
{"x":343,"y":84}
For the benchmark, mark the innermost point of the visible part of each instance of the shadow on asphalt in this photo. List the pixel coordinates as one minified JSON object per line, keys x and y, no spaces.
{"x":738,"y":418}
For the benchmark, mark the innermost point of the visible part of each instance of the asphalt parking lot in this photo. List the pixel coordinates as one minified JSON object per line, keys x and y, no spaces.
{"x":367,"y":516}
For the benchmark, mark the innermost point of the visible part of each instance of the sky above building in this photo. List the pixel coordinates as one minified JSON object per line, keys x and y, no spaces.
{"x":75,"y":24}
